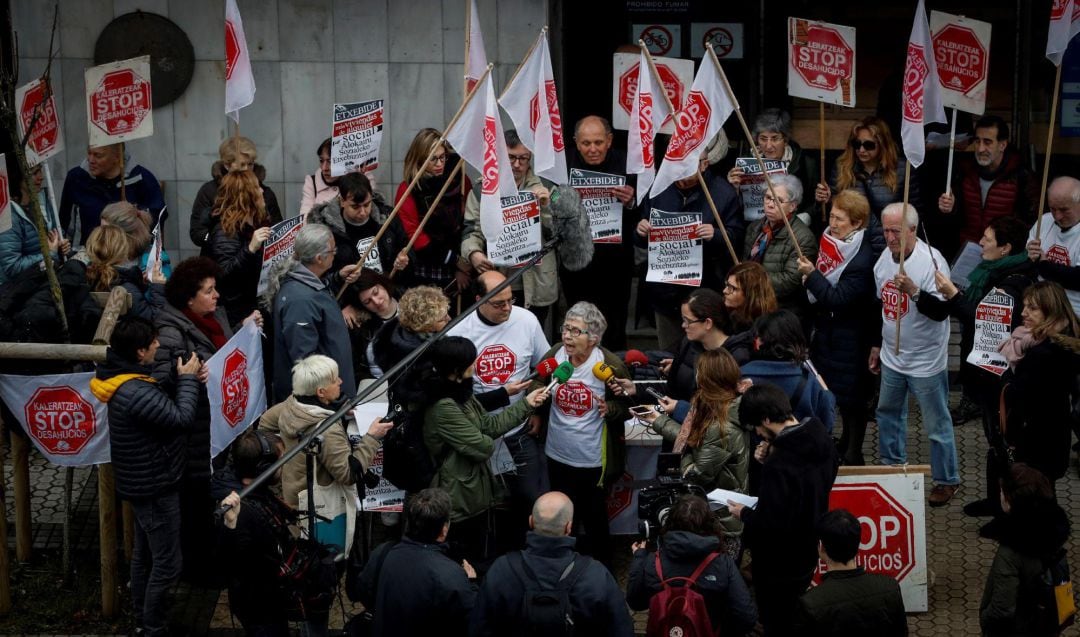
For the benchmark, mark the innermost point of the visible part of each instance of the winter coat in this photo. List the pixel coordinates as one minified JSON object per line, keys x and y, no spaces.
{"x":1014,"y":192}
{"x":541,"y":283}
{"x":240,"y":269}
{"x":1038,"y":398}
{"x":292,"y":420}
{"x":20,"y":249}
{"x":852,"y":603}
{"x":307,"y":320}
{"x":28,"y":313}
{"x":440,"y":240}
{"x":847,"y":321}
{"x":781,"y":261}
{"x":147,"y":299}
{"x":316,"y":191}
{"x":389,"y":346}
{"x":597,"y":604}
{"x":87,"y":196}
{"x":874,"y":188}
{"x":727,"y":598}
{"x":421,"y":591}
{"x":202,"y":219}
{"x":815,"y":400}
{"x":461,"y":439}
{"x":178,"y":338}
{"x":146,"y":426}
{"x":665,"y":298}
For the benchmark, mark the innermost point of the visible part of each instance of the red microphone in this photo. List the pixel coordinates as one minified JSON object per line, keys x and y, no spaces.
{"x":544,"y":369}
{"x":635,"y":358}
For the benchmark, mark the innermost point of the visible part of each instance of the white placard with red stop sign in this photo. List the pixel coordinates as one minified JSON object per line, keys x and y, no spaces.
{"x":235,"y":387}
{"x":821,"y":61}
{"x":118,"y":103}
{"x":64,"y":420}
{"x":37,"y":106}
{"x":962,"y":54}
{"x":677,"y":76}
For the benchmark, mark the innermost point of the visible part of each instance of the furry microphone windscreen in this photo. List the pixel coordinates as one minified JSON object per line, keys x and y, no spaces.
{"x":571,"y":223}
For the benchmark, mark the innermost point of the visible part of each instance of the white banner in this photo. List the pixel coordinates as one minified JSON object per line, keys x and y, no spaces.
{"x":48,"y":138}
{"x":533,"y":105}
{"x":675,"y":252}
{"x":235,"y":387}
{"x":993,"y":326}
{"x":962,"y":54}
{"x":239,"y":80}
{"x":385,"y":496}
{"x":357,"y":135}
{"x":921,"y":99}
{"x":676,"y":76}
{"x":648,"y":114}
{"x":62,"y":417}
{"x":821,"y":62}
{"x":520,"y":239}
{"x":1064,"y":24}
{"x":598,"y":198}
{"x":752,"y":186}
{"x":278,"y":247}
{"x":5,"y":196}
{"x":118,"y":103}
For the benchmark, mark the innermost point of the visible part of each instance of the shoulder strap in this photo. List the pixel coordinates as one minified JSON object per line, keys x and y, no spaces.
{"x":701,"y":567}
{"x":660,"y":571}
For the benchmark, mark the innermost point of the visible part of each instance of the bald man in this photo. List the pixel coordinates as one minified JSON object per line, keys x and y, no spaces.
{"x":597,"y":604}
{"x":606,"y":280}
{"x":1056,"y":251}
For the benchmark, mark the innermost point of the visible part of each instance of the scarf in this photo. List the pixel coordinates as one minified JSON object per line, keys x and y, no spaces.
{"x":979,"y":279}
{"x":834,"y":255}
{"x":1020,"y":341}
{"x":761,"y":243}
{"x":209,"y":326}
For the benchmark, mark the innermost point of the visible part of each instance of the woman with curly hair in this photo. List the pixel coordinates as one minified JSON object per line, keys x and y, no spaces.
{"x":113,"y":260}
{"x":236,"y":241}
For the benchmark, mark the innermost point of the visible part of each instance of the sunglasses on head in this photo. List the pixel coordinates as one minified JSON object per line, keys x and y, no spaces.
{"x":869,"y":144}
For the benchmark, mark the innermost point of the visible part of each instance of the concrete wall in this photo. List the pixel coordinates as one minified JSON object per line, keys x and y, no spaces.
{"x":306,"y":54}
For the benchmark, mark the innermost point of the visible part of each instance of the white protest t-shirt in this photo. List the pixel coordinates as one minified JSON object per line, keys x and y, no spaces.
{"x":1061,"y":247}
{"x":924,"y":343}
{"x":575,"y":428}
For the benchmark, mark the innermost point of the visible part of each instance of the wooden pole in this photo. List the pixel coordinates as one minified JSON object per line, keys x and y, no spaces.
{"x":53,"y":351}
{"x":700,"y":178}
{"x":65,"y":559}
{"x":536,"y":43}
{"x":903,"y":251}
{"x":419,"y":173}
{"x":754,"y":149}
{"x":465,"y":80}
{"x":888,"y":469}
{"x":952,"y":151}
{"x":118,"y":303}
{"x":821,"y":139}
{"x":5,"y":564}
{"x":431,"y":210}
{"x":107,"y":528}
{"x":20,"y":461}
{"x":123,"y":175}
{"x":1046,"y":161}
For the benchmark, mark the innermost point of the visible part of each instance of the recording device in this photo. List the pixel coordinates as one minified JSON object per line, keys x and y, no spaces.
{"x":635,"y":358}
{"x":658,"y":396}
{"x":571,"y":223}
{"x":544,"y":369}
{"x":603,"y":371}
{"x":655,"y":502}
{"x":561,"y":374}
{"x":642,"y":410}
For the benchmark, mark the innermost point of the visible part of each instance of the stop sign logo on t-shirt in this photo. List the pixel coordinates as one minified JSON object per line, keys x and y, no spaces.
{"x":1058,"y":254}
{"x":60,"y":419}
{"x":234,"y":387}
{"x":891,"y":297}
{"x":495,"y":364}
{"x":574,"y":398}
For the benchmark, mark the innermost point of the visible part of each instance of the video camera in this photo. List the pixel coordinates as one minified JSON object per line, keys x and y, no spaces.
{"x":655,"y":501}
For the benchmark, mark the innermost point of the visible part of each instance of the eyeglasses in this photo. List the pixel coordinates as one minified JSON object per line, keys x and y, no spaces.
{"x":573,"y":331}
{"x":502,"y":305}
{"x":769,"y":198}
{"x":868,"y":145}
{"x":688,"y":322}
{"x":439,"y":159}
{"x":730,"y":287}
{"x":520,"y":159}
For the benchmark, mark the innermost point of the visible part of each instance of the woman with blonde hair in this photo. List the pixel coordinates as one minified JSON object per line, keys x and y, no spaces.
{"x":237,"y":240}
{"x":136,"y":223}
{"x":113,"y":261}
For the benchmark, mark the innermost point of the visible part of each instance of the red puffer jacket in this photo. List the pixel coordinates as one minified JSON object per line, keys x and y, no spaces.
{"x":1014,"y":192}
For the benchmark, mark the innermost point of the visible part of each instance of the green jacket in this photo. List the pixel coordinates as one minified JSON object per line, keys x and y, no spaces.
{"x":461,"y":438}
{"x":1008,"y":599}
{"x":781,"y":260}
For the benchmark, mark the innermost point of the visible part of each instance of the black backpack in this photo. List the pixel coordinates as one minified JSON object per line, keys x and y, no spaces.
{"x":547,"y":611}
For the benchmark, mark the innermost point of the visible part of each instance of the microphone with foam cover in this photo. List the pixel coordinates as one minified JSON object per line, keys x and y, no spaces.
{"x":635,"y":358}
{"x":543,"y":369}
{"x":571,"y":223}
{"x":603,"y":371}
{"x":561,"y":374}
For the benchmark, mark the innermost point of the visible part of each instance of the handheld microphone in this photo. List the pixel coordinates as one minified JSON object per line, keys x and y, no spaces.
{"x":544,"y":369}
{"x":603,"y":371}
{"x":561,"y":374}
{"x":635,"y":358}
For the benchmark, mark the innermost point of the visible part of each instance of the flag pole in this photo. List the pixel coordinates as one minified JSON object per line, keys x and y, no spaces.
{"x":123,"y":175}
{"x":431,"y":209}
{"x":952,"y":151}
{"x":543,"y":34}
{"x":465,"y":81}
{"x":419,"y":173}
{"x":754,"y":148}
{"x":903,"y":250}
{"x":1046,"y":161}
{"x":821,"y":124}
{"x":700,"y":178}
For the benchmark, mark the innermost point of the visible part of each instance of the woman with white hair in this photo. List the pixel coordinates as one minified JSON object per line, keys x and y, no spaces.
{"x":769,"y":243}
{"x":585,"y":447}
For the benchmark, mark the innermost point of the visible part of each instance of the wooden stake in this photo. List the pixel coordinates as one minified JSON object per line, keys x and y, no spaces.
{"x":1049,"y":144}
{"x":20,"y":461}
{"x":952,"y":150}
{"x":110,"y":600}
{"x":430,"y":210}
{"x":5,"y":565}
{"x":903,"y":250}
{"x":123,"y":175}
{"x":821,"y":123}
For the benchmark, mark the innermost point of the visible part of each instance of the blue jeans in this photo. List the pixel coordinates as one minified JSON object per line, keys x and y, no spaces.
{"x":932,"y":392}
{"x":156,"y":560}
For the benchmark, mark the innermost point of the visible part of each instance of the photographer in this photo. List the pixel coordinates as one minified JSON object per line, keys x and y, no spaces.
{"x":689,"y":540}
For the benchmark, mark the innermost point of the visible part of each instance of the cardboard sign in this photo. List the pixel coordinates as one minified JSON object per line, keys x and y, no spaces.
{"x":660,"y":39}
{"x":752,"y":187}
{"x":675,"y":252}
{"x":278,"y":247}
{"x":118,"y":104}
{"x":821,"y":61}
{"x":385,"y":496}
{"x":962,"y":53}
{"x":235,"y":387}
{"x":520,"y":239}
{"x":993,"y":326}
{"x":357,"y":135}
{"x":374,"y":260}
{"x":676,"y":75}
{"x":34,"y":107}
{"x":598,"y":198}
{"x":725,"y":37}
{"x":62,"y":417}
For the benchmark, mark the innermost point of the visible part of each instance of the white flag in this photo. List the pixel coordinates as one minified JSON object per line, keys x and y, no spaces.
{"x":62,"y":417}
{"x":533,"y":106}
{"x":1064,"y":24}
{"x":5,"y":196}
{"x":478,"y":137}
{"x":477,"y":62}
{"x":706,"y":108}
{"x":647,"y":115}
{"x":239,"y":82}
{"x":922,"y":89}
{"x":235,"y":387}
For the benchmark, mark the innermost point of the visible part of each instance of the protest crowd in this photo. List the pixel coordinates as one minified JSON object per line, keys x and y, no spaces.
{"x":791,"y":313}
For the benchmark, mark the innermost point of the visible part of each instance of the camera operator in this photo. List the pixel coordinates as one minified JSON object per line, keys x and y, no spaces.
{"x":690,"y":536}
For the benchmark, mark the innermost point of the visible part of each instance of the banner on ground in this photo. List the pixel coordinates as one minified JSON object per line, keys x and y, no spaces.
{"x":34,"y":107}
{"x":921,"y":98}
{"x":278,"y":247}
{"x":752,"y":187}
{"x":993,"y":326}
{"x":520,"y":239}
{"x":239,"y":80}
{"x":357,"y":135}
{"x":598,"y":197}
{"x":532,"y":103}
{"x":5,"y":195}
{"x":675,"y":252}
{"x":962,"y":53}
{"x":385,"y":496}
{"x":62,"y":417}
{"x":891,"y":510}
{"x":821,"y":61}
{"x":676,"y":75}
{"x":235,"y":387}
{"x":118,"y":103}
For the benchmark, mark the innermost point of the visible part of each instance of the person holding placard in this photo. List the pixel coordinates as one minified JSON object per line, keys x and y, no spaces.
{"x":236,"y":241}
{"x":1056,"y":251}
{"x":321,"y":187}
{"x":237,"y":154}
{"x":20,"y":248}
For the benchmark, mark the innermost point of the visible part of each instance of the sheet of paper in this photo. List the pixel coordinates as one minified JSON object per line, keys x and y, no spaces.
{"x":969,"y":257}
{"x":723,"y":495}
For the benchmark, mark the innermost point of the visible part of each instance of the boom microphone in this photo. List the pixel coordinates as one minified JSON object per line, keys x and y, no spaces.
{"x":544,"y":369}
{"x":561,"y":374}
{"x":571,"y":224}
{"x":635,"y":358}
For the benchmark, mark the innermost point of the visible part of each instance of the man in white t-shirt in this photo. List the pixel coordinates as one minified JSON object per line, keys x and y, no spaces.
{"x":920,"y":364}
{"x":1057,"y":251}
{"x":510,"y":343}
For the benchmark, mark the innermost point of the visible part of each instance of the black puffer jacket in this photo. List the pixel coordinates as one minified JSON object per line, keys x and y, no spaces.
{"x":202,"y":219}
{"x":146,"y":427}
{"x":239,"y":280}
{"x":392,"y":343}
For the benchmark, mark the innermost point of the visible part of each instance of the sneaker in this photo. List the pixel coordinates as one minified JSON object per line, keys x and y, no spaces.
{"x":982,"y":508}
{"x":965,"y":410}
{"x":942,"y":493}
